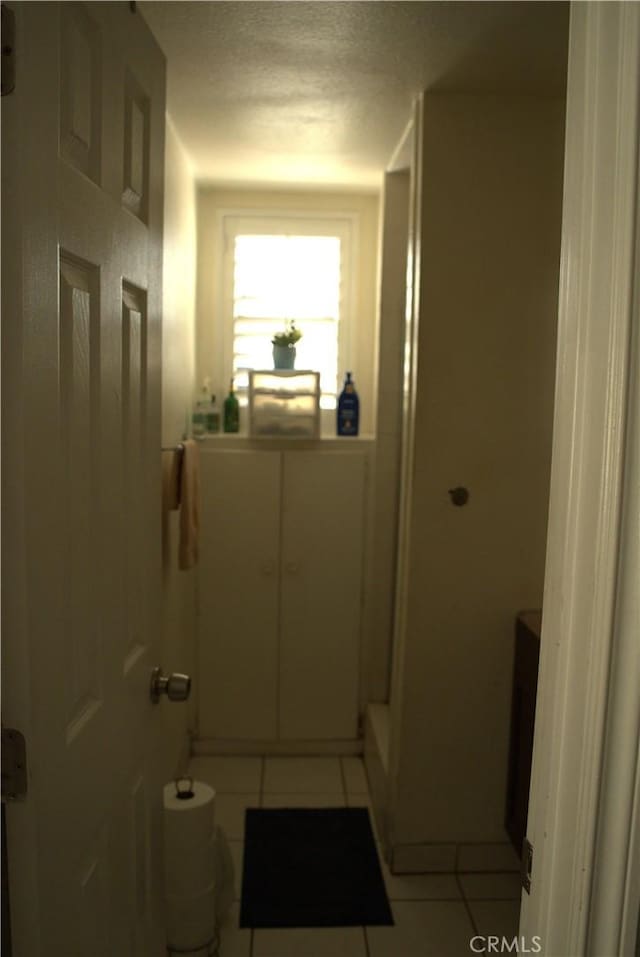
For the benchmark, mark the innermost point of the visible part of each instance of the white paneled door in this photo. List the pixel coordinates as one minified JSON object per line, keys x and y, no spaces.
{"x":82,"y":151}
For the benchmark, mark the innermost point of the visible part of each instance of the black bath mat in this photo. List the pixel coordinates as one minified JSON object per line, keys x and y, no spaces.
{"x":311,"y":868}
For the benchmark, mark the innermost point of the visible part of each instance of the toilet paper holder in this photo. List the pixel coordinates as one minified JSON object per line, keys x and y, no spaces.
{"x":177,"y":687}
{"x":187,"y":793}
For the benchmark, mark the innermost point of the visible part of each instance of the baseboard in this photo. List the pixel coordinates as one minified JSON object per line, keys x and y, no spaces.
{"x":378,"y":718}
{"x":376,"y":737}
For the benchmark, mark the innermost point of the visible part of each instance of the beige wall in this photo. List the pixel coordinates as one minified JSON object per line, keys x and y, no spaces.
{"x":212,"y":200}
{"x":178,"y":360}
{"x":492,"y":180}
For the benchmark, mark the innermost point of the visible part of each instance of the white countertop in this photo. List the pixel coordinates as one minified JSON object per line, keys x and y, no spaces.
{"x":242,"y":440}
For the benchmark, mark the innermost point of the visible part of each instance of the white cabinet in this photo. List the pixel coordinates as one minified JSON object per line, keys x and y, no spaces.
{"x":237,"y":594}
{"x":280,"y":591}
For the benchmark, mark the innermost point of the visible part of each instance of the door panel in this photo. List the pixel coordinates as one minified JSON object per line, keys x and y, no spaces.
{"x":79,"y":338}
{"x":81,"y":325}
{"x":238,"y":594}
{"x":90,"y":897}
{"x":322,"y":549}
{"x":135,"y":193}
{"x":134,"y":386}
{"x":80,"y":106}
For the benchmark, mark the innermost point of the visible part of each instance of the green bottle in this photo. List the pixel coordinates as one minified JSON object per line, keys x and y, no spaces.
{"x":231,"y":412}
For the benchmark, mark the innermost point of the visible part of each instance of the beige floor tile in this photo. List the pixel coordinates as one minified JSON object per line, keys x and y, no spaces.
{"x":228,"y":775}
{"x":310,"y":942}
{"x":488,"y":857}
{"x":355,"y":776}
{"x":303,"y":800}
{"x":499,"y":918}
{"x":230,"y":810}
{"x":491,"y":886}
{"x":407,"y":887}
{"x":234,"y":941}
{"x":314,"y":775}
{"x":423,"y":929}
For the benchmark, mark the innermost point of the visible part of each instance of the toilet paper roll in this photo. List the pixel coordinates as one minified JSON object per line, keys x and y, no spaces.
{"x":187,"y":874}
{"x":188,"y":822}
{"x":191,"y":921}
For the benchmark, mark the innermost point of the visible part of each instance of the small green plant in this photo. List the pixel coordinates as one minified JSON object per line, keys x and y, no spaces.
{"x":289,"y":337}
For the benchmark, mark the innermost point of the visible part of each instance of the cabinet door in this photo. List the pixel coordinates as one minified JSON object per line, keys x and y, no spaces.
{"x":238,"y":594}
{"x":321,"y":576}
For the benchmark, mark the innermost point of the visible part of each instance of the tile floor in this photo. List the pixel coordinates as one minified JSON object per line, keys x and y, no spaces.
{"x":435,"y":915}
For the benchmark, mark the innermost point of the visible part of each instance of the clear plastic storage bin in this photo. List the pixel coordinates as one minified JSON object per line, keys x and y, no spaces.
{"x":284,"y":403}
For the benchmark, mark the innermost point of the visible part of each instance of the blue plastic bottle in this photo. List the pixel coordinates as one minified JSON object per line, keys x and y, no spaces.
{"x":348,"y":408}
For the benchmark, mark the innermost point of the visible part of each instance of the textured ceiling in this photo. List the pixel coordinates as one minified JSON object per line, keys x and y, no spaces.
{"x":320,"y":92}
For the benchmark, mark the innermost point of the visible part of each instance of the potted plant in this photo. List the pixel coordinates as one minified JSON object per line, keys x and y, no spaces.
{"x":284,"y":346}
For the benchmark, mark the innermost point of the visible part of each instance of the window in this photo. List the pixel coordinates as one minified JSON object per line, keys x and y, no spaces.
{"x":278,"y":269}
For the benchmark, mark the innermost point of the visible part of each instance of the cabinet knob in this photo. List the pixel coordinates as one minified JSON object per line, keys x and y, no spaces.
{"x":291,"y":567}
{"x":268,"y":568}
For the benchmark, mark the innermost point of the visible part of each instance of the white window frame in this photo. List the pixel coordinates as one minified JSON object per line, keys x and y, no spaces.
{"x":233,"y":222}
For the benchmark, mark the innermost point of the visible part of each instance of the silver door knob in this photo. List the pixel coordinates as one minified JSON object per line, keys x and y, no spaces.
{"x":175,"y":686}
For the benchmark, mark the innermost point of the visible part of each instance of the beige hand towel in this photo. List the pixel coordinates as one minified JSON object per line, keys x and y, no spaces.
{"x":171,"y":465}
{"x":189,"y":505}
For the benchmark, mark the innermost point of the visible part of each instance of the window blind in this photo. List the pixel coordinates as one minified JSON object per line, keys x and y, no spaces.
{"x":282,"y":277}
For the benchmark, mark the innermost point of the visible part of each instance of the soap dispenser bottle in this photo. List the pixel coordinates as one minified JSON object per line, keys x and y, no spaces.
{"x":201,"y":418}
{"x":198,"y":416}
{"x":231,"y":411}
{"x":212,"y":417}
{"x":348,"y":409}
